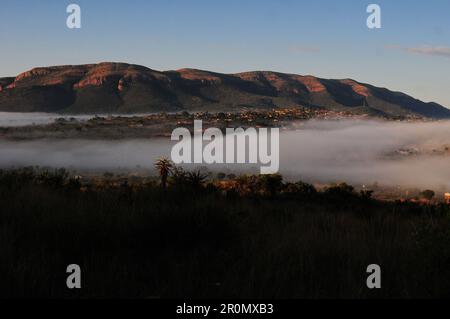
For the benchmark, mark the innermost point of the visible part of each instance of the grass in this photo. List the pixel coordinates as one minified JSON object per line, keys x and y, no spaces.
{"x":206,"y":243}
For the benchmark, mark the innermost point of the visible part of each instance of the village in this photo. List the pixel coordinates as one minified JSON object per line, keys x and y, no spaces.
{"x":162,"y":124}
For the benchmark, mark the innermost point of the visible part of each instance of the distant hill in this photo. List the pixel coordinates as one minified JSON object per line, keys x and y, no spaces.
{"x":126,"y":88}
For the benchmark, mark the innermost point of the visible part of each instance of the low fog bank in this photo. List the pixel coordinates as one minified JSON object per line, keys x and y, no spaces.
{"x":84,"y":154}
{"x":358,"y":152}
{"x":10,"y":119}
{"x":365,"y":152}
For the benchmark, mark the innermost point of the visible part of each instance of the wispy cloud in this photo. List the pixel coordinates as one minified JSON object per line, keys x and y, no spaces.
{"x":303,"y":49}
{"x":424,"y":50}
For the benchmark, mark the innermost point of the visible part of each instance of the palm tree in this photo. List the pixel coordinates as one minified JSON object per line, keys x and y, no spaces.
{"x":179,"y":177}
{"x":164,"y":167}
{"x":197,"y":179}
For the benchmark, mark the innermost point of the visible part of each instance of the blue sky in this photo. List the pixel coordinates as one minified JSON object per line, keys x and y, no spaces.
{"x":326,"y":38}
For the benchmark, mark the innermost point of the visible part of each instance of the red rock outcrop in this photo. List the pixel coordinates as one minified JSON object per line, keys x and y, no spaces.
{"x":121,"y":87}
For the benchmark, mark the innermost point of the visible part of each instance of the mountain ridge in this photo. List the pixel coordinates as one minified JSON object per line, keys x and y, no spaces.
{"x":111,"y":87}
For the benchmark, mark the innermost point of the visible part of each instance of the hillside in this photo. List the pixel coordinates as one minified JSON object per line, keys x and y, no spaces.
{"x":126,"y":88}
{"x":249,"y":237}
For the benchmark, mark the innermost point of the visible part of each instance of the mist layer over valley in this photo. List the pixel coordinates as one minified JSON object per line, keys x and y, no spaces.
{"x":389,"y":153}
{"x":353,"y":151}
{"x":12,"y":119}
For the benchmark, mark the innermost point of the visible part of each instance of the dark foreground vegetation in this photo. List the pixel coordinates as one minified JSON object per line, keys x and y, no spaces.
{"x":251,"y":236}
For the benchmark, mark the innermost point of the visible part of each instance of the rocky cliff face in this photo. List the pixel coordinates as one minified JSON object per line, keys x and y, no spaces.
{"x":126,"y":88}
